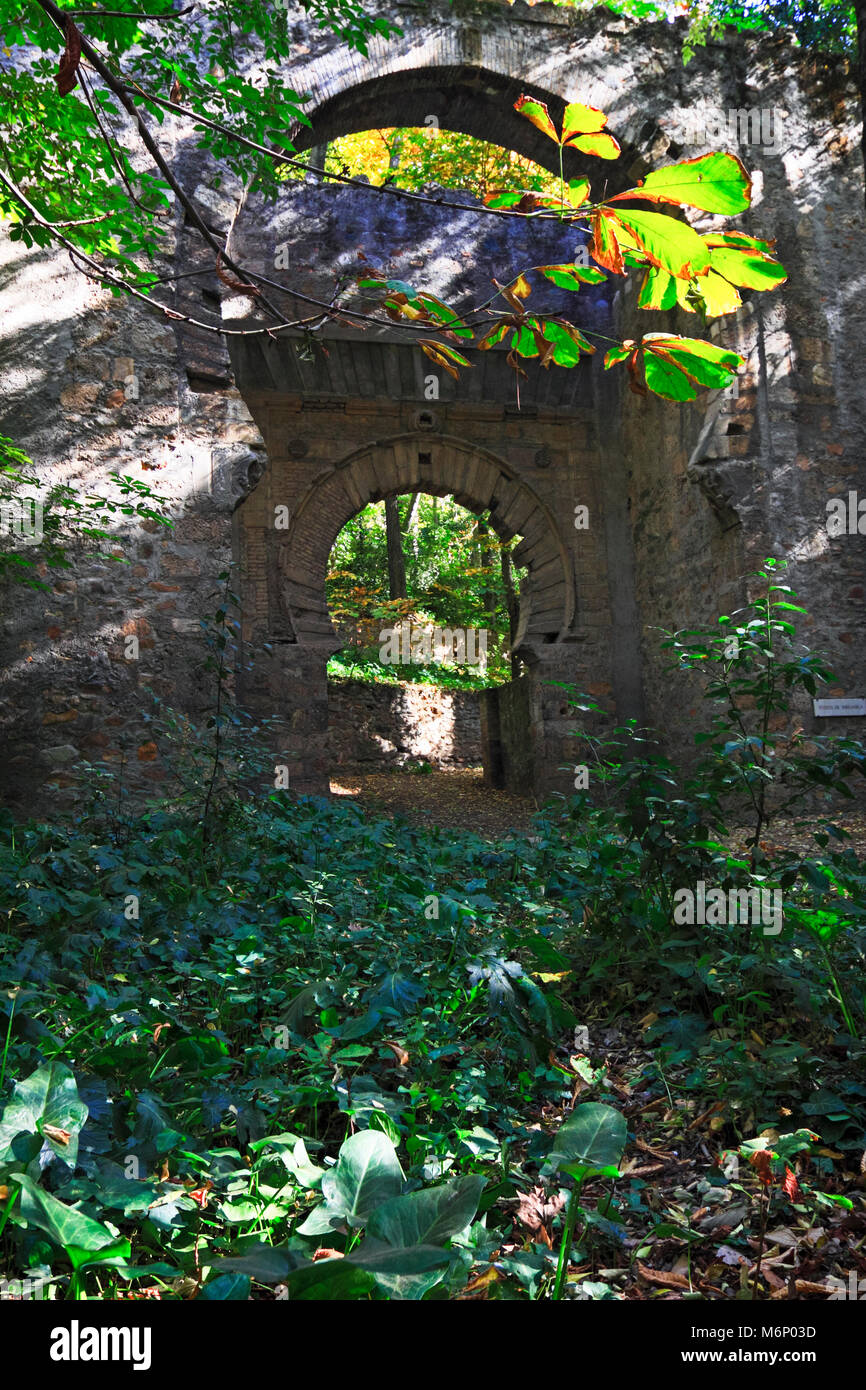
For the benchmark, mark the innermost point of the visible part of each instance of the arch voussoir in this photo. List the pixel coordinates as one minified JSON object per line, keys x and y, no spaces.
{"x":442,"y":467}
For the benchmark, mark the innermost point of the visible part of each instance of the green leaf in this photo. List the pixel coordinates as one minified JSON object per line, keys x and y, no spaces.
{"x":667,"y":380}
{"x":615,"y":355}
{"x":658,"y":291}
{"x":367,"y":1173}
{"x":591,"y":1141}
{"x":602,"y":145}
{"x":49,"y":1096}
{"x":404,"y":1273}
{"x":717,"y":294}
{"x":226,"y":1287}
{"x":570,"y":277}
{"x":698,"y":362}
{"x":118,"y":1252}
{"x":269,"y":1264}
{"x":428,"y":1217}
{"x":330,"y":1280}
{"x":65,"y":1226}
{"x":712,"y":182}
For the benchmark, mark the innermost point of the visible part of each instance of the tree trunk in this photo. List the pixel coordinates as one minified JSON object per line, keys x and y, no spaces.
{"x":512,"y":605}
{"x":413,"y":500}
{"x":396,"y":562}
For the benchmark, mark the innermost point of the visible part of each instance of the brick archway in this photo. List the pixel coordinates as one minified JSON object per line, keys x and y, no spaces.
{"x":466,"y":69}
{"x":443,"y":466}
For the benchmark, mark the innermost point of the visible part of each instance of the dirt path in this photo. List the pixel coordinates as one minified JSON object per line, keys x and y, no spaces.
{"x":455,"y":798}
{"x":459,"y":798}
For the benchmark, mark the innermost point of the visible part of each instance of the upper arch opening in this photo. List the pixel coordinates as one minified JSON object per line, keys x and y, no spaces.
{"x":467,"y":99}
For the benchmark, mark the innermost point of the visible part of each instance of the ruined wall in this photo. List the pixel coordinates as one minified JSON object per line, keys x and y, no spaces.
{"x":386,"y":726}
{"x":682,"y":500}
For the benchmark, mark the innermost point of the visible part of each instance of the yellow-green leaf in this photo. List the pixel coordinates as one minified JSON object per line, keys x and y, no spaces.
{"x":748,"y":268}
{"x":581,"y":120}
{"x":672,"y":245}
{"x":712,"y":182}
{"x":658,"y":291}
{"x":605,"y":248}
{"x":603,"y":146}
{"x":717,"y":295}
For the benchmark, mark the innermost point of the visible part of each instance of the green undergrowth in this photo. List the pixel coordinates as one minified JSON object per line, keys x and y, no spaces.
{"x":190,"y":1073}
{"x":238,"y":1036}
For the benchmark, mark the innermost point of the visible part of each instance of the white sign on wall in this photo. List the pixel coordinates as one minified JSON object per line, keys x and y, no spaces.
{"x":824,"y":708}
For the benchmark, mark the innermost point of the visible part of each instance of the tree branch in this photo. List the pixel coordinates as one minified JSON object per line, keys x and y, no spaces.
{"x":119,"y":90}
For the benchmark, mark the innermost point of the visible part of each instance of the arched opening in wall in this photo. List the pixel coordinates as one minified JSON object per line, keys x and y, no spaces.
{"x":290,"y":604}
{"x":465,"y":98}
{"x":425,"y":595}
{"x":418,"y":157}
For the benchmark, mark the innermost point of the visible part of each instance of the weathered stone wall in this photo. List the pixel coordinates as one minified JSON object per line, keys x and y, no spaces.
{"x":391,"y":725}
{"x":682,"y":500}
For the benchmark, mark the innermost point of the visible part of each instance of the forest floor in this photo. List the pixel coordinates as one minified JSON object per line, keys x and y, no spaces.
{"x":454,"y":798}
{"x":459,"y":798}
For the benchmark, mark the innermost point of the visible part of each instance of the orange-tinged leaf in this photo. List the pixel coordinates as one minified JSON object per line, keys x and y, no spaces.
{"x":578,"y":192}
{"x":658,"y":291}
{"x":399,"y":1051}
{"x":666,"y":1280}
{"x":790,"y":1185}
{"x":615,"y":355}
{"x":605,"y":248}
{"x":748,"y":268}
{"x":494,"y":334}
{"x":538,"y":114}
{"x":437,"y":355}
{"x":570,"y":277}
{"x":451,"y":353}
